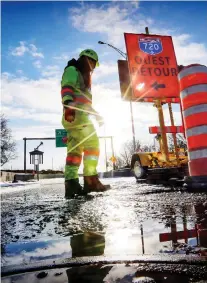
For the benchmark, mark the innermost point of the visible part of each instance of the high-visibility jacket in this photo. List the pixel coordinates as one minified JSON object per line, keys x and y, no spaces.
{"x":75,"y":94}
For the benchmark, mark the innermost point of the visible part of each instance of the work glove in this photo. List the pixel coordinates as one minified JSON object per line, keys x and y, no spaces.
{"x":69,"y":115}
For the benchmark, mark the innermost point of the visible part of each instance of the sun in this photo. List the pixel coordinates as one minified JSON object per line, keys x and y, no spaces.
{"x":116,"y":117}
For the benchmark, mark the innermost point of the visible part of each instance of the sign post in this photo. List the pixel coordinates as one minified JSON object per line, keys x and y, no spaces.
{"x":164,"y":148}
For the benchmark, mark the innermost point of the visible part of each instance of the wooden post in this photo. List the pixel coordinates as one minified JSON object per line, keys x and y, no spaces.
{"x":158,"y":104}
{"x":162,"y":129}
{"x":174,"y":135}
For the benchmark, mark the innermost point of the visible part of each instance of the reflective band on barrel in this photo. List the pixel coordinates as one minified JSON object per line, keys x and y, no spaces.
{"x":194,"y":89}
{"x":194,"y":99}
{"x":195,"y":109}
{"x":195,"y":120}
{"x":196,"y":154}
{"x":192,"y":70}
{"x":197,"y":142}
{"x":196,"y":131}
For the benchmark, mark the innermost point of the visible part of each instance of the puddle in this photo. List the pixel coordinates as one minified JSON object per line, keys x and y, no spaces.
{"x":131,"y":273}
{"x":27,"y":252}
{"x":151,"y":238}
{"x":40,"y":224}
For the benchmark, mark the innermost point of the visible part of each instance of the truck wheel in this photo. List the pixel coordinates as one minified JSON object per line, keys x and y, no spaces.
{"x":138,"y":169}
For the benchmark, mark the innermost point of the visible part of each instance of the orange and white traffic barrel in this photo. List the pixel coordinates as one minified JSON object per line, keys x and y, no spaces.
{"x":193,"y":94}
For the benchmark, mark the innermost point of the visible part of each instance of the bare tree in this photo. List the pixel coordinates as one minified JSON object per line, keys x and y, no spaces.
{"x":124,"y":158}
{"x":148,"y":148}
{"x":181,"y":142}
{"x":8,"y":145}
{"x":128,"y":151}
{"x":119,"y":162}
{"x":125,"y":155}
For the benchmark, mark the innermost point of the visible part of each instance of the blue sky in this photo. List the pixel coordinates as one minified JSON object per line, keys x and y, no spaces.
{"x":39,"y":37}
{"x":47,"y":24}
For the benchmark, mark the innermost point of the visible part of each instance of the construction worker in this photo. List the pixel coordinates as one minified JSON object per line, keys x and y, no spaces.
{"x":81,"y":134}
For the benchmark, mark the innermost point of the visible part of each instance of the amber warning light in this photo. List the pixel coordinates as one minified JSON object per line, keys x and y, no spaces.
{"x":152,"y":66}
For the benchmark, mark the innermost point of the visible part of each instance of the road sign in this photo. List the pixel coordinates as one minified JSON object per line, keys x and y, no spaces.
{"x":61,"y":138}
{"x":113,"y":159}
{"x":152,"y":66}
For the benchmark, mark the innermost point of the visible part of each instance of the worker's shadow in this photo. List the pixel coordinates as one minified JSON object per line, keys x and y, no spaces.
{"x":88,"y":274}
{"x":74,"y":222}
{"x":87,"y":244}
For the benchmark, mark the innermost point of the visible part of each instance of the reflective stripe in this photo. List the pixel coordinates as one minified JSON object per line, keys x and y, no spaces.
{"x":197,"y":142}
{"x":82,"y":100}
{"x":90,"y":157}
{"x":67,"y":92}
{"x":180,"y":129}
{"x":196,"y":131}
{"x":64,"y":90}
{"x":192,"y":70}
{"x":91,"y":152}
{"x":68,"y":86}
{"x":194,"y":89}
{"x":168,"y":129}
{"x":196,"y":154}
{"x":79,"y":98}
{"x":67,"y":98}
{"x":194,"y":79}
{"x":194,"y":99}
{"x":74,"y":160}
{"x":196,"y":120}
{"x":195,"y":109}
{"x":68,"y":95}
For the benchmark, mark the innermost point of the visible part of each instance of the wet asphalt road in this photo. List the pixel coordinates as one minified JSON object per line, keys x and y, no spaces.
{"x":120,"y":215}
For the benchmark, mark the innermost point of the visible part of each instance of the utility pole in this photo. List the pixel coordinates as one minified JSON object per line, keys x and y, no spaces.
{"x":130,"y":102}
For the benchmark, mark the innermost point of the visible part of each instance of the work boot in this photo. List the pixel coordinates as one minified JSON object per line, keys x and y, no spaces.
{"x":72,"y":188}
{"x":93,"y":184}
